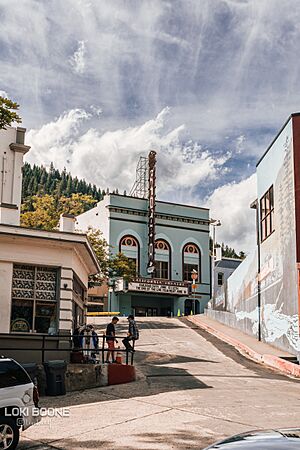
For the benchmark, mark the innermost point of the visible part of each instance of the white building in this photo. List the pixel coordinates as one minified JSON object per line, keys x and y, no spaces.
{"x":43,"y":274}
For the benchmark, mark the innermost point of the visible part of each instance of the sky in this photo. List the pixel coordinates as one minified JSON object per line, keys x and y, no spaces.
{"x":205,"y":83}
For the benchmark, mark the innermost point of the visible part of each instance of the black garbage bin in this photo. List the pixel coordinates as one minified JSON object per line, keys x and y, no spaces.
{"x":31,"y":369}
{"x":55,"y":376}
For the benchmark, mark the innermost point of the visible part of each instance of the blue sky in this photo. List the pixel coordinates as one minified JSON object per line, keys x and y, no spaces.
{"x":207,"y":83}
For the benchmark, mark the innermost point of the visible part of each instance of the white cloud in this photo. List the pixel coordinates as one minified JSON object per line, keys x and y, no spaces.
{"x":223,"y":65}
{"x":231,"y":204}
{"x":77,"y":61}
{"x":3,"y":94}
{"x":109,"y":158}
{"x":54,"y":140}
{"x":96,"y":110}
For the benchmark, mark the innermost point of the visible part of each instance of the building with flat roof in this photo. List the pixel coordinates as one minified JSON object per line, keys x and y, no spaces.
{"x":262,"y":296}
{"x":180,"y":245}
{"x":43,"y":274}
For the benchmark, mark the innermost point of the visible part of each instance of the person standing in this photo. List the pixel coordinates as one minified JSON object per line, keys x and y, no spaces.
{"x":89,"y":342}
{"x":111,"y":339}
{"x":133,"y":333}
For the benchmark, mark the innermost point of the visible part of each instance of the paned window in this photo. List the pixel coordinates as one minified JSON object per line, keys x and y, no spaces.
{"x":267,"y":214}
{"x":34,"y":299}
{"x":130,"y":248}
{"x":188,"y":269}
{"x":220,"y":279}
{"x":162,"y":269}
{"x":191,"y":262}
{"x":162,"y":259}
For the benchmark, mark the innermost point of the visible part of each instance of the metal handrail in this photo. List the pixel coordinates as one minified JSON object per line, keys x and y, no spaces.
{"x":69,"y":338}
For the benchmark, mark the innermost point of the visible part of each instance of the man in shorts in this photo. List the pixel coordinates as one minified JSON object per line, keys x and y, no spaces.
{"x":110,"y":339}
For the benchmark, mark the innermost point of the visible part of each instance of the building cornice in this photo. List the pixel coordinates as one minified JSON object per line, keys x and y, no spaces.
{"x":159,"y":216}
{"x":58,"y":236}
{"x":20,"y":148}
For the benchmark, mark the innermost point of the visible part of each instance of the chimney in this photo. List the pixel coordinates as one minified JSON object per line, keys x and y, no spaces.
{"x":67,"y":223}
{"x":12,"y":151}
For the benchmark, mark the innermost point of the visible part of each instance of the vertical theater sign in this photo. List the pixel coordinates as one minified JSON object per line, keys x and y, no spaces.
{"x":151,"y":212}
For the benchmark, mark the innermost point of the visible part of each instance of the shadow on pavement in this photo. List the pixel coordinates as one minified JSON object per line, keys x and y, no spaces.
{"x":180,"y":440}
{"x":155,"y":376}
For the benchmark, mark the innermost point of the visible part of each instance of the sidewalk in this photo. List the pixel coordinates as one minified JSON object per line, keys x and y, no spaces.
{"x":248,"y":345}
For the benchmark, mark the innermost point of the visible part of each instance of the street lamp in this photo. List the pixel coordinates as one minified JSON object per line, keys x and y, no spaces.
{"x":194,"y":276}
{"x":214,"y":223}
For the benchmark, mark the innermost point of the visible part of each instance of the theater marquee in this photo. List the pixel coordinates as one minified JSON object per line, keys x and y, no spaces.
{"x":153,"y":286}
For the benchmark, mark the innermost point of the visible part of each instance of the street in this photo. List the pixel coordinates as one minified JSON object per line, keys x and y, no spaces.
{"x":192,"y":390}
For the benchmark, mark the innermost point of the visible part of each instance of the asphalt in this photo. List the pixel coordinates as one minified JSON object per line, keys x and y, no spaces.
{"x":193,"y":389}
{"x":250,"y":346}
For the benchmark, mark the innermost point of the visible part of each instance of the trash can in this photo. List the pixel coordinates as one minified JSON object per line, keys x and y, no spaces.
{"x":55,"y":376}
{"x":31,"y":369}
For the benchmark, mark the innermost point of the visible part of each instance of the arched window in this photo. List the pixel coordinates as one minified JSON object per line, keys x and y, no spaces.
{"x":129,"y":246}
{"x":129,"y":241}
{"x":191,"y":262}
{"x":162,"y":259}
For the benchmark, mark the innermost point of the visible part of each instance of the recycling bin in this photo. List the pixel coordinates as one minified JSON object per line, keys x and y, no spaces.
{"x":55,"y":376}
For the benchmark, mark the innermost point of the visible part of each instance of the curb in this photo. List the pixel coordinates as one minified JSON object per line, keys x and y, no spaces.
{"x":272,"y":361}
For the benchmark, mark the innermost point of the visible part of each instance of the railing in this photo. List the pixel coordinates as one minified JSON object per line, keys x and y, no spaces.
{"x":65,"y":339}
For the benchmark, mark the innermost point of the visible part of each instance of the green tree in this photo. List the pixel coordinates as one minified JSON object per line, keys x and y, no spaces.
{"x":118,"y":264}
{"x":76,"y":204}
{"x":43,"y":212}
{"x":44,"y":215}
{"x":122,"y":266}
{"x":8,"y":113}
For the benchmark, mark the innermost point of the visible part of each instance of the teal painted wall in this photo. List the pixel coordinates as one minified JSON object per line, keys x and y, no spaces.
{"x":120,"y":215}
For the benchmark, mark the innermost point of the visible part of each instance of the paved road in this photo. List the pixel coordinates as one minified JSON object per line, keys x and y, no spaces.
{"x":193,"y":391}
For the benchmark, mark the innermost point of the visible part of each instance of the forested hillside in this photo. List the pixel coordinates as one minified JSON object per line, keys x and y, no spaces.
{"x":39,"y":180}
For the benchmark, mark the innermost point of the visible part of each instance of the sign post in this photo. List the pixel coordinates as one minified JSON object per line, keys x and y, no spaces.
{"x":194,"y":276}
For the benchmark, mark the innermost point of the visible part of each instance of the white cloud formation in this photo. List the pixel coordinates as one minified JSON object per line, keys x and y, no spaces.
{"x":224,"y":65}
{"x":110,"y":158}
{"x":77,"y":61}
{"x":3,"y":94}
{"x":231,"y":204}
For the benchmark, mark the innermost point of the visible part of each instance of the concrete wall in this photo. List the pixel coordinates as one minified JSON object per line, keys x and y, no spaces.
{"x":6,"y":272}
{"x":11,"y":163}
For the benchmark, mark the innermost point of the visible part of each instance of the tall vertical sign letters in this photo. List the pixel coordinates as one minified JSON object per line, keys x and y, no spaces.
{"x":151,"y":212}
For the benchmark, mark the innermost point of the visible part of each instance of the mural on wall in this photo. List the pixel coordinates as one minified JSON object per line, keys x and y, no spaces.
{"x":279,"y":292}
{"x":278,"y":274}
{"x":242,"y":293}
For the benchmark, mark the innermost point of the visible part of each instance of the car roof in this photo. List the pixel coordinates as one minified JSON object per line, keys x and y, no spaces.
{"x":282,"y":439}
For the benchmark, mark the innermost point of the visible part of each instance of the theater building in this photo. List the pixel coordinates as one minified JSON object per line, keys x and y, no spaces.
{"x":166,"y":245}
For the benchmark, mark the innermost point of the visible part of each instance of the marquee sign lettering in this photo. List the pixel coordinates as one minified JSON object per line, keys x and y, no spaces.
{"x":156,"y":286}
{"x":151,"y":212}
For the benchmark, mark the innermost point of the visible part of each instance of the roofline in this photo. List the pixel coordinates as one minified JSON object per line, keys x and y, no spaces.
{"x":85,"y":242}
{"x":41,"y":230}
{"x":160,"y":201}
{"x":225,"y":258}
{"x":277,"y":135}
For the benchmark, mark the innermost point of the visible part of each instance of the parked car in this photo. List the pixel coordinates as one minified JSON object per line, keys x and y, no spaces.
{"x":18,"y":402}
{"x":288,"y":439}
